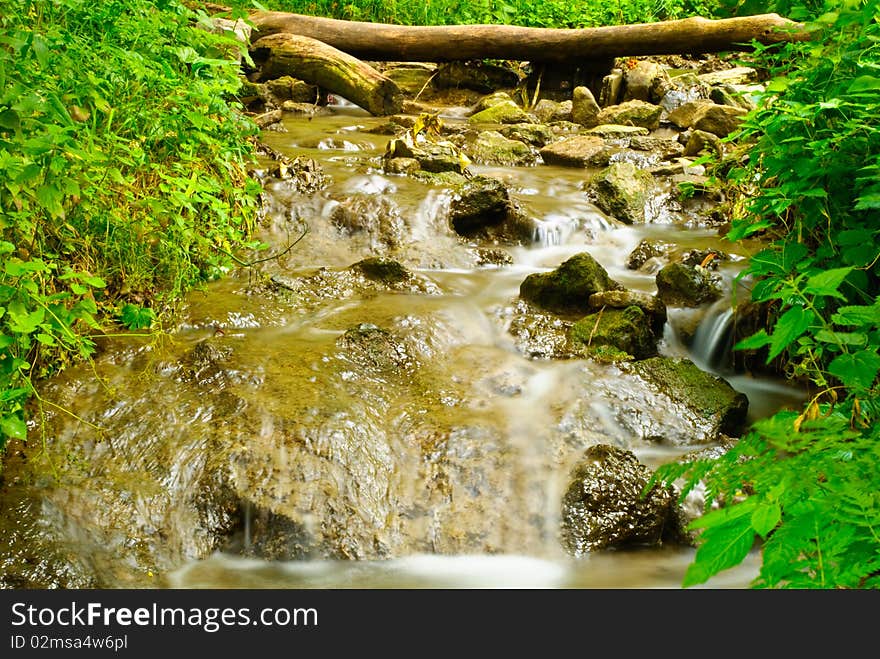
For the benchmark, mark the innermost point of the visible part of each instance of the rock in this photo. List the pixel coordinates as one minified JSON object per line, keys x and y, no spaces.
{"x":478,"y":76}
{"x":538,"y":135}
{"x":621,"y":191}
{"x":480,"y":202}
{"x":506,"y":112}
{"x":685,"y":88}
{"x":686,"y":286}
{"x":432,"y":156}
{"x":736,"y":76}
{"x":493,"y":256}
{"x":649,"y":304}
{"x":616,"y":131}
{"x":707,"y":258}
{"x":567,"y":289}
{"x":700,"y":141}
{"x":375,"y":349}
{"x":648,"y":249}
{"x":584,"y":108}
{"x":646,"y":81}
{"x":383,"y":270}
{"x":626,"y":331}
{"x":611,"y":85}
{"x":687,"y":114}
{"x":376,"y":216}
{"x":575,"y":151}
{"x":631,"y":113}
{"x":287,"y":88}
{"x":603,"y":506}
{"x":721,"y":120}
{"x":411,"y":77}
{"x":401,"y":166}
{"x":728,"y":95}
{"x":709,"y":396}
{"x":491,"y":100}
{"x":665,"y":148}
{"x":548,"y":111}
{"x":492,"y":148}
{"x":538,"y":334}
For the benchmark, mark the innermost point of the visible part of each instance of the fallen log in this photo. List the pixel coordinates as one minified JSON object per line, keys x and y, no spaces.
{"x":383,"y":42}
{"x":331,"y":69}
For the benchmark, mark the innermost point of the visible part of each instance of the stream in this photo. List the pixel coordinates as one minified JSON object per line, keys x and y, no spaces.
{"x":307,"y":427}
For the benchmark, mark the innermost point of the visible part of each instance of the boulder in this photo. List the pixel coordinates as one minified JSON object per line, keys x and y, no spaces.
{"x":538,"y":135}
{"x":631,"y":113}
{"x":708,"y":396}
{"x":603,"y":506}
{"x":646,"y":81}
{"x":548,"y":111}
{"x":646,"y":250}
{"x":627,"y":332}
{"x":492,"y":148}
{"x":684,"y":285}
{"x":567,"y":289}
{"x":621,"y":190}
{"x":584,"y":108}
{"x":649,"y":304}
{"x":506,"y":112}
{"x":479,"y":202}
{"x":575,"y":151}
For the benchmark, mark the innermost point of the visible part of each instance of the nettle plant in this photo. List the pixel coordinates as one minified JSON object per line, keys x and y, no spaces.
{"x":805,"y":484}
{"x":123,"y":178}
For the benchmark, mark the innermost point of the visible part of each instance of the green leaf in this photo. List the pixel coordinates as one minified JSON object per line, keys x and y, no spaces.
{"x":842,"y":338}
{"x":13,"y":426}
{"x":864,"y":84}
{"x":788,"y":328}
{"x":10,"y":120}
{"x":827,"y":282}
{"x":857,"y":370}
{"x":857,"y":315}
{"x":135,"y":317}
{"x":757,"y":340}
{"x":722,"y":545}
{"x":766,"y":517}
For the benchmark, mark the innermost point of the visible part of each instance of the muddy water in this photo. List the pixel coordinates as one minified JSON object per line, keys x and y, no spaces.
{"x":262,"y":445}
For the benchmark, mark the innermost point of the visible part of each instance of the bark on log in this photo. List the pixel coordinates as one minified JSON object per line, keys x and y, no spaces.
{"x":380,"y":42}
{"x":319,"y":64}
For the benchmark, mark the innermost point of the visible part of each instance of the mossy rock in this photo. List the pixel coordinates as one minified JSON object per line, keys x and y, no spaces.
{"x":492,"y":148}
{"x":626,"y":330}
{"x":709,"y":395}
{"x":679,"y":284}
{"x":621,"y":190}
{"x":506,"y":112}
{"x":567,"y":289}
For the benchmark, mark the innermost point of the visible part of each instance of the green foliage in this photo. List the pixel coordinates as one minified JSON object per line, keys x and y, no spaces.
{"x":806,"y":484}
{"x":544,"y":13}
{"x":122,"y":174}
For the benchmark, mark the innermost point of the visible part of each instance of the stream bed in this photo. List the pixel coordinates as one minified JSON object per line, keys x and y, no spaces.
{"x":307,"y":426}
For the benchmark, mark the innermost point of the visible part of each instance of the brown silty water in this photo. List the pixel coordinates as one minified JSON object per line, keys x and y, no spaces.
{"x":307,"y":426}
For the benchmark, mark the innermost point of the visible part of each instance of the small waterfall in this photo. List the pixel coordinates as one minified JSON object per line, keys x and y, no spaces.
{"x":554,"y":230}
{"x":713,"y":340}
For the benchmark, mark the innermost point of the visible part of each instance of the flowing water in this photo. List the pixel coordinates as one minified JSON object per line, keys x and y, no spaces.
{"x":306,"y":426}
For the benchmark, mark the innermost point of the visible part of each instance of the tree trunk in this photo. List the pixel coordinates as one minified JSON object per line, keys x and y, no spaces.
{"x":319,"y":64}
{"x":380,"y":42}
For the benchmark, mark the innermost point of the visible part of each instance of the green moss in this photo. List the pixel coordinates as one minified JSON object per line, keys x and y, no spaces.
{"x":615,"y":334}
{"x":684,"y":381}
{"x":567,"y":289}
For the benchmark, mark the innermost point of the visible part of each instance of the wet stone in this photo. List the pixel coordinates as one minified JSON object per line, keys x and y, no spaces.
{"x":567,"y":289}
{"x":603,"y":506}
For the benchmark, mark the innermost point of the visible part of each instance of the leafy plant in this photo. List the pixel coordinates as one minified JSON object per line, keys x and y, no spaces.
{"x":805,"y":483}
{"x":122,"y":175}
